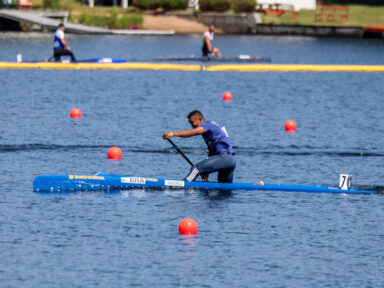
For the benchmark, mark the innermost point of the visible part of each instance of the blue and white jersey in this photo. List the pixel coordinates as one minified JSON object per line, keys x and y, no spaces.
{"x":209,"y":34}
{"x":59,"y":34}
{"x":216,"y":139}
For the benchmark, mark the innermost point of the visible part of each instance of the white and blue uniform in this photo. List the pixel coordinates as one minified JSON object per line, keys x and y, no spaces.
{"x":59,"y":48}
{"x":220,"y":156}
{"x":59,"y":34}
{"x":205,"y":46}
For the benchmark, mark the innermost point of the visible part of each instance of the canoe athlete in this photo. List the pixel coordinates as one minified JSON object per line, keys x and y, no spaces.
{"x":208,"y":49}
{"x":60,"y":46}
{"x":220,"y":152}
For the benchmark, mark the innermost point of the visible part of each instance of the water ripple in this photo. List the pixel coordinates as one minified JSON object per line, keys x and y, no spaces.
{"x":292,"y":150}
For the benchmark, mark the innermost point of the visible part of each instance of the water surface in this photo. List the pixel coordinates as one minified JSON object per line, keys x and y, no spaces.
{"x":245,"y":239}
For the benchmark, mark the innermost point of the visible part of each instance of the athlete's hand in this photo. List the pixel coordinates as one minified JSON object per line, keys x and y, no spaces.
{"x":167,"y":135}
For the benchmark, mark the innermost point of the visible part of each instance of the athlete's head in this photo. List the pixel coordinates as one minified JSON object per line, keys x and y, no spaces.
{"x":195,"y":118}
{"x":211,"y":28}
{"x":61,"y":26}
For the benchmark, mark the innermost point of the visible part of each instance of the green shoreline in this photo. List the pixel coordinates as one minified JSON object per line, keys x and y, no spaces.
{"x":358,"y":16}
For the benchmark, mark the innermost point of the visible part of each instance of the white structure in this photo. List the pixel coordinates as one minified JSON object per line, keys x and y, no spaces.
{"x":124,"y":3}
{"x":193,"y":4}
{"x":296,"y":4}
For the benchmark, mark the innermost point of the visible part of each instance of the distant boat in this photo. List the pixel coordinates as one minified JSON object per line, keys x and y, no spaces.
{"x":102,"y":60}
{"x":94,"y":60}
{"x":67,"y":60}
{"x":236,"y":59}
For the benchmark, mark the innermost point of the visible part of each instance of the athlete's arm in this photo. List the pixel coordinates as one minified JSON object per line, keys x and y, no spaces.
{"x":62,"y":40}
{"x":185,"y":133}
{"x":209,"y":45}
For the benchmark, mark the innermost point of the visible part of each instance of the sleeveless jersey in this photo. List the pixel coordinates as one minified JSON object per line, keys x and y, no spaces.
{"x":216,"y":139}
{"x":59,"y":34}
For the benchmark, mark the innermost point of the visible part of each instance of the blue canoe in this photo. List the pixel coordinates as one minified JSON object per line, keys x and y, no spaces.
{"x":110,"y":182}
{"x":66,"y":59}
{"x":102,"y":60}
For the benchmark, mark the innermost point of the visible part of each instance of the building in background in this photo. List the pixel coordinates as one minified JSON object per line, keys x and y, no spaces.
{"x":194,"y":4}
{"x":295,"y":4}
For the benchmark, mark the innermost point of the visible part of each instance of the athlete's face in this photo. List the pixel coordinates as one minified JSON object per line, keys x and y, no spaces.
{"x":195,"y":121}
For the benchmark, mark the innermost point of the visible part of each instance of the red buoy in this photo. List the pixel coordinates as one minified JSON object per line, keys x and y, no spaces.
{"x":75,"y":113}
{"x":188,"y":227}
{"x":227,"y":96}
{"x":114,"y":153}
{"x":290,"y":126}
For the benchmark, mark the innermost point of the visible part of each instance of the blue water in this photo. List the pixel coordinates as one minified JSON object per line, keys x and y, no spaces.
{"x":245,"y":239}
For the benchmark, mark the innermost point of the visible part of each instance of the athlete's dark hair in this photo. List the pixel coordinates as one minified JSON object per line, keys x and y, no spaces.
{"x":61,"y":25}
{"x":195,"y":113}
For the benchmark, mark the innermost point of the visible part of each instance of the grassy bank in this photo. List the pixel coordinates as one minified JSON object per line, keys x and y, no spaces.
{"x":100,"y":16}
{"x":113,"y":19}
{"x":119,"y":18}
{"x":359,"y":15}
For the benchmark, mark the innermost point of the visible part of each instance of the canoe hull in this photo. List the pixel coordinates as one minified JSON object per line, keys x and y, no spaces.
{"x":111,"y":182}
{"x":236,"y":59}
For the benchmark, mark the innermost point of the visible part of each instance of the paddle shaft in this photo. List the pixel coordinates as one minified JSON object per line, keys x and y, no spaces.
{"x":181,"y":152}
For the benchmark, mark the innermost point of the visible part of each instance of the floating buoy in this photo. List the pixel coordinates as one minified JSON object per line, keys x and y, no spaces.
{"x":290,"y":126}
{"x":75,"y":113}
{"x":227,"y":96}
{"x":188,"y":227}
{"x":114,"y":153}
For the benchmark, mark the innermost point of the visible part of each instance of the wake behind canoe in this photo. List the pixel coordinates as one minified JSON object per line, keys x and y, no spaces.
{"x":111,"y":182}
